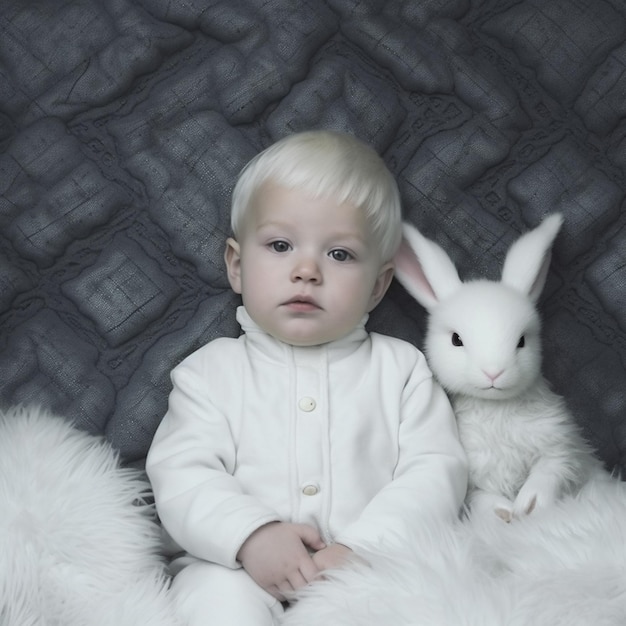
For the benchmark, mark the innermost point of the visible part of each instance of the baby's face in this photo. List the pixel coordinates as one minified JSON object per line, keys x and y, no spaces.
{"x":306,"y":267}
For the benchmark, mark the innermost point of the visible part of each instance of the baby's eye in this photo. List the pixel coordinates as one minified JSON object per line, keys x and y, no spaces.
{"x":456,"y":340}
{"x":280,"y":246}
{"x":340,"y":255}
{"x":522,"y":342}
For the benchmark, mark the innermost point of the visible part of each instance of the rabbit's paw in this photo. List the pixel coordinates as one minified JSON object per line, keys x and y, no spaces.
{"x":533,"y":496}
{"x":505,"y":514}
{"x":525,"y":506}
{"x":487,"y":503}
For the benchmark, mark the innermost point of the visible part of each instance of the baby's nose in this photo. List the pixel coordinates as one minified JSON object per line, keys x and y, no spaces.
{"x":307,"y":270}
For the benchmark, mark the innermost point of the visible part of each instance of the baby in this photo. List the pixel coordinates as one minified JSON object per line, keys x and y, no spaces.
{"x":306,"y":438}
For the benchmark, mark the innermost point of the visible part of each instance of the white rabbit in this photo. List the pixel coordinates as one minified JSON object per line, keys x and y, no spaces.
{"x":483,"y":345}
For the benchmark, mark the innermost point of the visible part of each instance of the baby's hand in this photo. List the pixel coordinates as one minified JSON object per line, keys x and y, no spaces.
{"x":332,"y":556}
{"x":277,"y":558}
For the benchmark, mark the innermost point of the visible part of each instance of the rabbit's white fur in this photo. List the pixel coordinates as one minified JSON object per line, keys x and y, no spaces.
{"x":483,"y":344}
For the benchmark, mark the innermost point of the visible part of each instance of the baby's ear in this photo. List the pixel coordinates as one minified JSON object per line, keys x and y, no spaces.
{"x":385,"y":276}
{"x":232,"y":258}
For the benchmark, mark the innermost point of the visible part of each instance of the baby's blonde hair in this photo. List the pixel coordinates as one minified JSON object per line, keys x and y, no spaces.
{"x":327,"y":164}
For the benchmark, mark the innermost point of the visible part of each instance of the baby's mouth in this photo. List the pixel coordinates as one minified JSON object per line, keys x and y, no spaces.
{"x":302,"y":303}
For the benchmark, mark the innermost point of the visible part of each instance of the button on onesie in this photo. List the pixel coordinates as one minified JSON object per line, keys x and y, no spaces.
{"x":311,"y":437}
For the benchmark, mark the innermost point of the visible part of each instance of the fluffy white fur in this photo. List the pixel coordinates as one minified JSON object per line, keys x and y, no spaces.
{"x":562,"y":566}
{"x":525,"y":453}
{"x":79,"y":545}
{"x":483,"y":344}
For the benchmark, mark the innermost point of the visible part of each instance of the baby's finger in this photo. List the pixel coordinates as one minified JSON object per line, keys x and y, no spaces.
{"x":309,"y":570}
{"x":278,"y":593}
{"x":310,"y":536}
{"x":297,"y":580}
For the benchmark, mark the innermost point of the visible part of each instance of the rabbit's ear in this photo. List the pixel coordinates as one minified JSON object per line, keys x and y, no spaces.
{"x":527,"y":261}
{"x":424,"y":269}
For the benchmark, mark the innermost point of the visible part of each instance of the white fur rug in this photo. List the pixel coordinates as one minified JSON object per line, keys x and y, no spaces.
{"x":565,"y":566}
{"x":77,"y":545}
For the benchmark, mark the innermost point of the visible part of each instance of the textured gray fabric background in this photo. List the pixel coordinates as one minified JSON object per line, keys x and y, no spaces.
{"x":123,"y":124}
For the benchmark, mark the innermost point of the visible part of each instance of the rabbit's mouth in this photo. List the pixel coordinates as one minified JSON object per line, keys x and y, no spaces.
{"x":493,"y":392}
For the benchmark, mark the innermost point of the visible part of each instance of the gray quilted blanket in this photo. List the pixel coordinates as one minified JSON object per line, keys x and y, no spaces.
{"x":123,"y":124}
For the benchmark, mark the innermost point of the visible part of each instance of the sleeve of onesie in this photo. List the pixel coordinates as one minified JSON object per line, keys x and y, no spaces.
{"x":430,"y":480}
{"x":190,"y":465}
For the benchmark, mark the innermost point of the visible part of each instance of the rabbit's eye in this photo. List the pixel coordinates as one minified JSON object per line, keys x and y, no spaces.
{"x":522,"y":342}
{"x":456,"y":340}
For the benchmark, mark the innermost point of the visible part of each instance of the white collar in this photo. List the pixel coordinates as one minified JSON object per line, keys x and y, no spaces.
{"x":274,"y":349}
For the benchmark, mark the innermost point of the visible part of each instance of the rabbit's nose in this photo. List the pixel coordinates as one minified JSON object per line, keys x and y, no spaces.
{"x":492,"y":376}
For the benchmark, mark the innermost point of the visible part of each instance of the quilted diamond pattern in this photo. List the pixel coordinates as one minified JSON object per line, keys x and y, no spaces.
{"x":123,"y":125}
